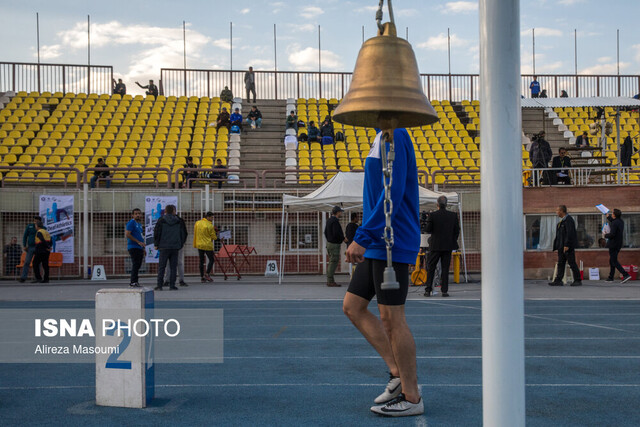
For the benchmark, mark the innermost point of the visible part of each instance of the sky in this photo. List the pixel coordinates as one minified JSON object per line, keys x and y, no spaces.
{"x":138,"y":37}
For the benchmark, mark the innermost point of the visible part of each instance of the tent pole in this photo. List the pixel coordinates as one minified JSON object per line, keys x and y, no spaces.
{"x":324,"y":244}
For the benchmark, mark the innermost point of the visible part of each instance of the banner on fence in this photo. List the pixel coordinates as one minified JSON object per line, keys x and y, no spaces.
{"x":57,"y":217}
{"x":153,"y":210}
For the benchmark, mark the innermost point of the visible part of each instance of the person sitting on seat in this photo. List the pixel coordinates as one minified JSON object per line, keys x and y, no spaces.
{"x":101,"y":174}
{"x":226,"y":95}
{"x":219,"y":172}
{"x":326,"y":132}
{"x":582,"y":141}
{"x":292,"y":121}
{"x":223,"y":119}
{"x":236,"y":118}
{"x":189,"y":176}
{"x":561,"y":161}
{"x":119,"y":88}
{"x":564,"y":94}
{"x":543,"y":94}
{"x":254,"y":118}
{"x":151,"y":88}
{"x":313,"y":132}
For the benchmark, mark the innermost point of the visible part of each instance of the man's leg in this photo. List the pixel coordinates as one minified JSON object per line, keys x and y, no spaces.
{"x":613,"y":256}
{"x":173,"y":263}
{"x":92,"y":182}
{"x":562,"y":261}
{"x":108,"y":182}
{"x":355,"y":308}
{"x":248,"y":92}
{"x":37,"y":260}
{"x":136,"y":261}
{"x":253,"y":90}
{"x":432,"y":261}
{"x":259,"y":123}
{"x":333,"y":249}
{"x":571,"y":259}
{"x":162,"y":264}
{"x":181,"y":265}
{"x":445,"y":260}
{"x":210,"y":264}
{"x":27,"y":261}
{"x":403,"y":347}
{"x":45,"y":266}
{"x":201,"y":263}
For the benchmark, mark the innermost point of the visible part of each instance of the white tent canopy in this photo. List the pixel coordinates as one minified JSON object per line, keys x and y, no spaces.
{"x":345,"y":190}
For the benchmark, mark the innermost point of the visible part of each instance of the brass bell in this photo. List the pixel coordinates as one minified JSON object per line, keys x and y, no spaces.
{"x":385,"y":90}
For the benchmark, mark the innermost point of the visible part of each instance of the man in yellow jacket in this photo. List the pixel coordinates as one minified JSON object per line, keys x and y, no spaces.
{"x":203,"y":236}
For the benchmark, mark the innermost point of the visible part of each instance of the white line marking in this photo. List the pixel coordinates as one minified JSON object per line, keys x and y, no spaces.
{"x":578,"y":323}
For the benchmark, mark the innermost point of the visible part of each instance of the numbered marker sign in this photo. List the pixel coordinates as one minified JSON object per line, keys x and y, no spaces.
{"x":271,"y":268}
{"x":97,"y":273}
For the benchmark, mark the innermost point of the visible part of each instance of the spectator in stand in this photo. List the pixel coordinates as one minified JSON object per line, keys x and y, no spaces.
{"x":564,"y":94}
{"x":223,"y":119}
{"x":151,"y":88}
{"x":582,"y":141}
{"x":135,"y":245}
{"x":313,"y":132}
{"x":219,"y":172}
{"x":169,"y":236}
{"x":41,"y":257}
{"x":292,"y":121}
{"x":250,"y":84}
{"x":626,"y":152}
{"x":636,"y":96}
{"x":29,"y":246}
{"x":543,"y":94}
{"x":203,"y":236}
{"x":236,"y":118}
{"x":540,"y":154}
{"x":326,"y":132}
{"x":119,"y":88}
{"x":101,"y":174}
{"x":535,"y":87}
{"x":254,"y":118}
{"x":189,"y":176}
{"x":615,"y":238}
{"x":226,"y":95}
{"x":561,"y":161}
{"x":11,"y":254}
{"x":565,"y":243}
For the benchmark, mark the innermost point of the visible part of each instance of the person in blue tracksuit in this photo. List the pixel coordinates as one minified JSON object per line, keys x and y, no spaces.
{"x":390,"y":336}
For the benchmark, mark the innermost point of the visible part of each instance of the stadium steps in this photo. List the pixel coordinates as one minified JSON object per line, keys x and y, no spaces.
{"x":264,"y":148}
{"x":532,"y":124}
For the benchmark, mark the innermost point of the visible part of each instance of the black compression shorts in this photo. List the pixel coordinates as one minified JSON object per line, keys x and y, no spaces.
{"x":367,"y":279}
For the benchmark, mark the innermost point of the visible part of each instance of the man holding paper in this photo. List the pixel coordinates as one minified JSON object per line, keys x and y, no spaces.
{"x":615,"y":237}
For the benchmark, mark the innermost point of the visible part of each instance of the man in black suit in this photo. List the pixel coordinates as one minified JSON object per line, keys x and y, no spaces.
{"x":615,"y":238}
{"x":558,"y":164}
{"x":445,"y":229}
{"x":565,"y":243}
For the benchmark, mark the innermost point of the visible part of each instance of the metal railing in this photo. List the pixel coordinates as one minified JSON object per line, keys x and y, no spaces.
{"x":4,"y":170}
{"x":126,"y":179}
{"x":255,"y":176}
{"x":34,"y":77}
{"x":308,"y":84}
{"x":591,"y":175}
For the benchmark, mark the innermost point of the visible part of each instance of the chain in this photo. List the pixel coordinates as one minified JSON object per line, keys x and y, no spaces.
{"x":387,"y":179}
{"x":379,"y":14}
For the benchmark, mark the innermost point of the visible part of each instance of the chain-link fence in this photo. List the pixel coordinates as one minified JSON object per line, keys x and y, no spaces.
{"x":252,"y":218}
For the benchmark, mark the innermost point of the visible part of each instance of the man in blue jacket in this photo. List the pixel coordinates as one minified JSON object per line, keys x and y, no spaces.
{"x":29,"y":246}
{"x":389,"y":335}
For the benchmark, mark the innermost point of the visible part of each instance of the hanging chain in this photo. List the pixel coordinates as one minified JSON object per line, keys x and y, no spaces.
{"x":379,"y":14}
{"x":387,"y":179}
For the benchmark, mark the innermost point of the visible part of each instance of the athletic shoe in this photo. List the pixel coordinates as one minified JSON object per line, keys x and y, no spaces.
{"x":393,"y":389}
{"x":182,"y":283}
{"x":134,"y":285}
{"x":626,"y":279}
{"x":208,"y":278}
{"x":21,"y":280}
{"x":609,"y":280}
{"x":173,"y":288}
{"x":444,"y":294}
{"x":334,"y":285}
{"x":555,"y":284}
{"x":165,"y":284}
{"x":576,"y":283}
{"x":36,"y":281}
{"x":203,"y":280}
{"x":399,"y":407}
{"x":427,"y":293}
{"x":44,"y":281}
{"x":157,"y":288}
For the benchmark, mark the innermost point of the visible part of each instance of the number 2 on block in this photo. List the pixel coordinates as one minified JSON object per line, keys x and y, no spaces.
{"x":112,"y":361}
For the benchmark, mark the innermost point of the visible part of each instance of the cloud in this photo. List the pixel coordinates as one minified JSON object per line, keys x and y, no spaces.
{"x":405,"y":13}
{"x":454,"y":7}
{"x":260,"y":64}
{"x":245,"y":11}
{"x":367,"y":9}
{"x":439,"y":42}
{"x":604,"y":68}
{"x":306,"y":59}
{"x":570,"y":2}
{"x":542,"y":32}
{"x":309,"y":12}
{"x":277,"y":6}
{"x":302,"y":28}
{"x":636,"y":48}
{"x":222,"y":43}
{"x":48,"y":51}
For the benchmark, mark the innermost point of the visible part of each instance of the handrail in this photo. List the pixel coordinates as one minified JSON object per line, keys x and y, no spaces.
{"x":44,"y":169}
{"x":179,"y":172}
{"x":312,"y":171}
{"x":457,"y":172}
{"x":585,"y":175}
{"x":142,"y":169}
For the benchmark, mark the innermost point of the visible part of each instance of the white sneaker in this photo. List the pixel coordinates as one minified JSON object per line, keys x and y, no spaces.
{"x":626,"y":279}
{"x":399,"y":407}
{"x":393,"y":389}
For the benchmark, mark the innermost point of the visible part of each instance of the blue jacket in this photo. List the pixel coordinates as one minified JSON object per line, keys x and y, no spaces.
{"x":405,"y":217}
{"x":235,"y":117}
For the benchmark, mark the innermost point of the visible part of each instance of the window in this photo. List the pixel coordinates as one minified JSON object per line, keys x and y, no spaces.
{"x":304,"y":237}
{"x":541,"y":231}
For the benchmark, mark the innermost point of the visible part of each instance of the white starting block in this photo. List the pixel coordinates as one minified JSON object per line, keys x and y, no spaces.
{"x":124,"y":378}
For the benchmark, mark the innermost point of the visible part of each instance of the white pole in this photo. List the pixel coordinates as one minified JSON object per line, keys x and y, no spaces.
{"x":207,"y":202}
{"x":85,"y":230}
{"x":503,"y":383}
{"x":464,"y":250}
{"x":324,"y":243}
{"x":281,"y":243}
